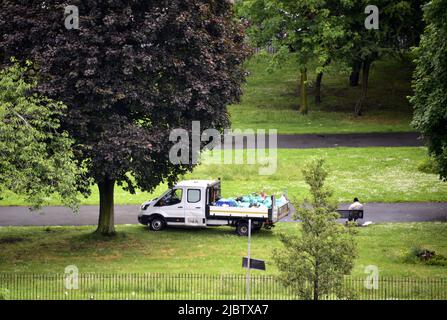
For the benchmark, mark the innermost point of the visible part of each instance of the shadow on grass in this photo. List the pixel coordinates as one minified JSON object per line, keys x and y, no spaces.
{"x":209,"y":231}
{"x":12,"y":240}
{"x":141,"y":236}
{"x":96,"y":237}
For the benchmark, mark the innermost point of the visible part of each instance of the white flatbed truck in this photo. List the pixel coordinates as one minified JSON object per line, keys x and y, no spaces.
{"x":191,"y":203}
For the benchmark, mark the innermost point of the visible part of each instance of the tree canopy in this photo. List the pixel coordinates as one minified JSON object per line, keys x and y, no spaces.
{"x":132,"y":72}
{"x":322,"y":32}
{"x":36,"y":159}
{"x":430,"y":83}
{"x":399,"y":27}
{"x":315,"y":30}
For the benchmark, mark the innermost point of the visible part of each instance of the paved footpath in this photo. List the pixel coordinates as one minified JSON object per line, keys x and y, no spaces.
{"x":353,"y":140}
{"x":399,"y":212}
{"x":127,"y":214}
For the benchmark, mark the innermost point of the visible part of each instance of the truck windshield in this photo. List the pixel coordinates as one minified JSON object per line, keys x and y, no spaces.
{"x":171,"y":198}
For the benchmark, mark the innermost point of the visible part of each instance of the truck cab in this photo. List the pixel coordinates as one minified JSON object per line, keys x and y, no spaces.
{"x":191,"y":203}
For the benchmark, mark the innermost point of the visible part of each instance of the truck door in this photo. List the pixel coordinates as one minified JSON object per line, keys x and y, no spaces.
{"x":195,"y":207}
{"x":171,"y":206}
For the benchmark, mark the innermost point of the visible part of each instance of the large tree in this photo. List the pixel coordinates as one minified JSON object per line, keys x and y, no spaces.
{"x":430,"y":83}
{"x":132,"y":72}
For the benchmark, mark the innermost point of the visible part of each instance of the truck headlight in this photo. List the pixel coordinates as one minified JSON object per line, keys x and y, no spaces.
{"x":144,"y":206}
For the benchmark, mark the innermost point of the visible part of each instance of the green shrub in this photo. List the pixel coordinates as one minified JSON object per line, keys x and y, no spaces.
{"x":428,"y":257}
{"x":422,"y":253}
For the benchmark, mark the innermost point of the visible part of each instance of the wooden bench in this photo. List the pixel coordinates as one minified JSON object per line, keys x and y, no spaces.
{"x":351,"y":214}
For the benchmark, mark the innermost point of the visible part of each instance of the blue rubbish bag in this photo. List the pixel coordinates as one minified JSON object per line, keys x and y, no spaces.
{"x":226,"y":203}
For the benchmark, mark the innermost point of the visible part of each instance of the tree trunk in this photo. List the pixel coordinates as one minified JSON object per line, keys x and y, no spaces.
{"x":304,"y":109}
{"x":364,"y":95}
{"x":106,"y":222}
{"x":355,"y":74}
{"x":318,"y":88}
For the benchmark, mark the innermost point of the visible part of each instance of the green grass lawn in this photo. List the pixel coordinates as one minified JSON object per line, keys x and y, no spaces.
{"x":372,"y":174}
{"x":211,"y":251}
{"x":270,"y":100}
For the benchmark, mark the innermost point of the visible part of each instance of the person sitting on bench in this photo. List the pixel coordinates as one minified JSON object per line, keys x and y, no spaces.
{"x":355,"y":208}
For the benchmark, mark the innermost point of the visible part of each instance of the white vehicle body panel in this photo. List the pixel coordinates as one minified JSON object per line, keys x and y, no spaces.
{"x":194,"y":209}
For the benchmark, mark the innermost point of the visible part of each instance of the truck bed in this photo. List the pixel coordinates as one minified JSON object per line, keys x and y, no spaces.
{"x":274,"y":215}
{"x":239,"y":212}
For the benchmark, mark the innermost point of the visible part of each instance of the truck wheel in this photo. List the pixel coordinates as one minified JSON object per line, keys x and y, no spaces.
{"x":242,"y":229}
{"x":157,"y":224}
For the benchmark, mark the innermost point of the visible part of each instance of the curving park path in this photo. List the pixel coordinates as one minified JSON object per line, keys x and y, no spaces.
{"x":352,"y":140}
{"x":397,"y":212}
{"x":127,"y":214}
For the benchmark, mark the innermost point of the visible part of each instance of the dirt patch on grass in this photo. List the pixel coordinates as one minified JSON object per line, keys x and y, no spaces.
{"x":108,"y":257}
{"x":167,"y":251}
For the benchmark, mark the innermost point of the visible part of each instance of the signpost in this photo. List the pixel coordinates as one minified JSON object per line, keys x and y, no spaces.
{"x":249,"y":263}
{"x":248,"y":259}
{"x":254,"y":263}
